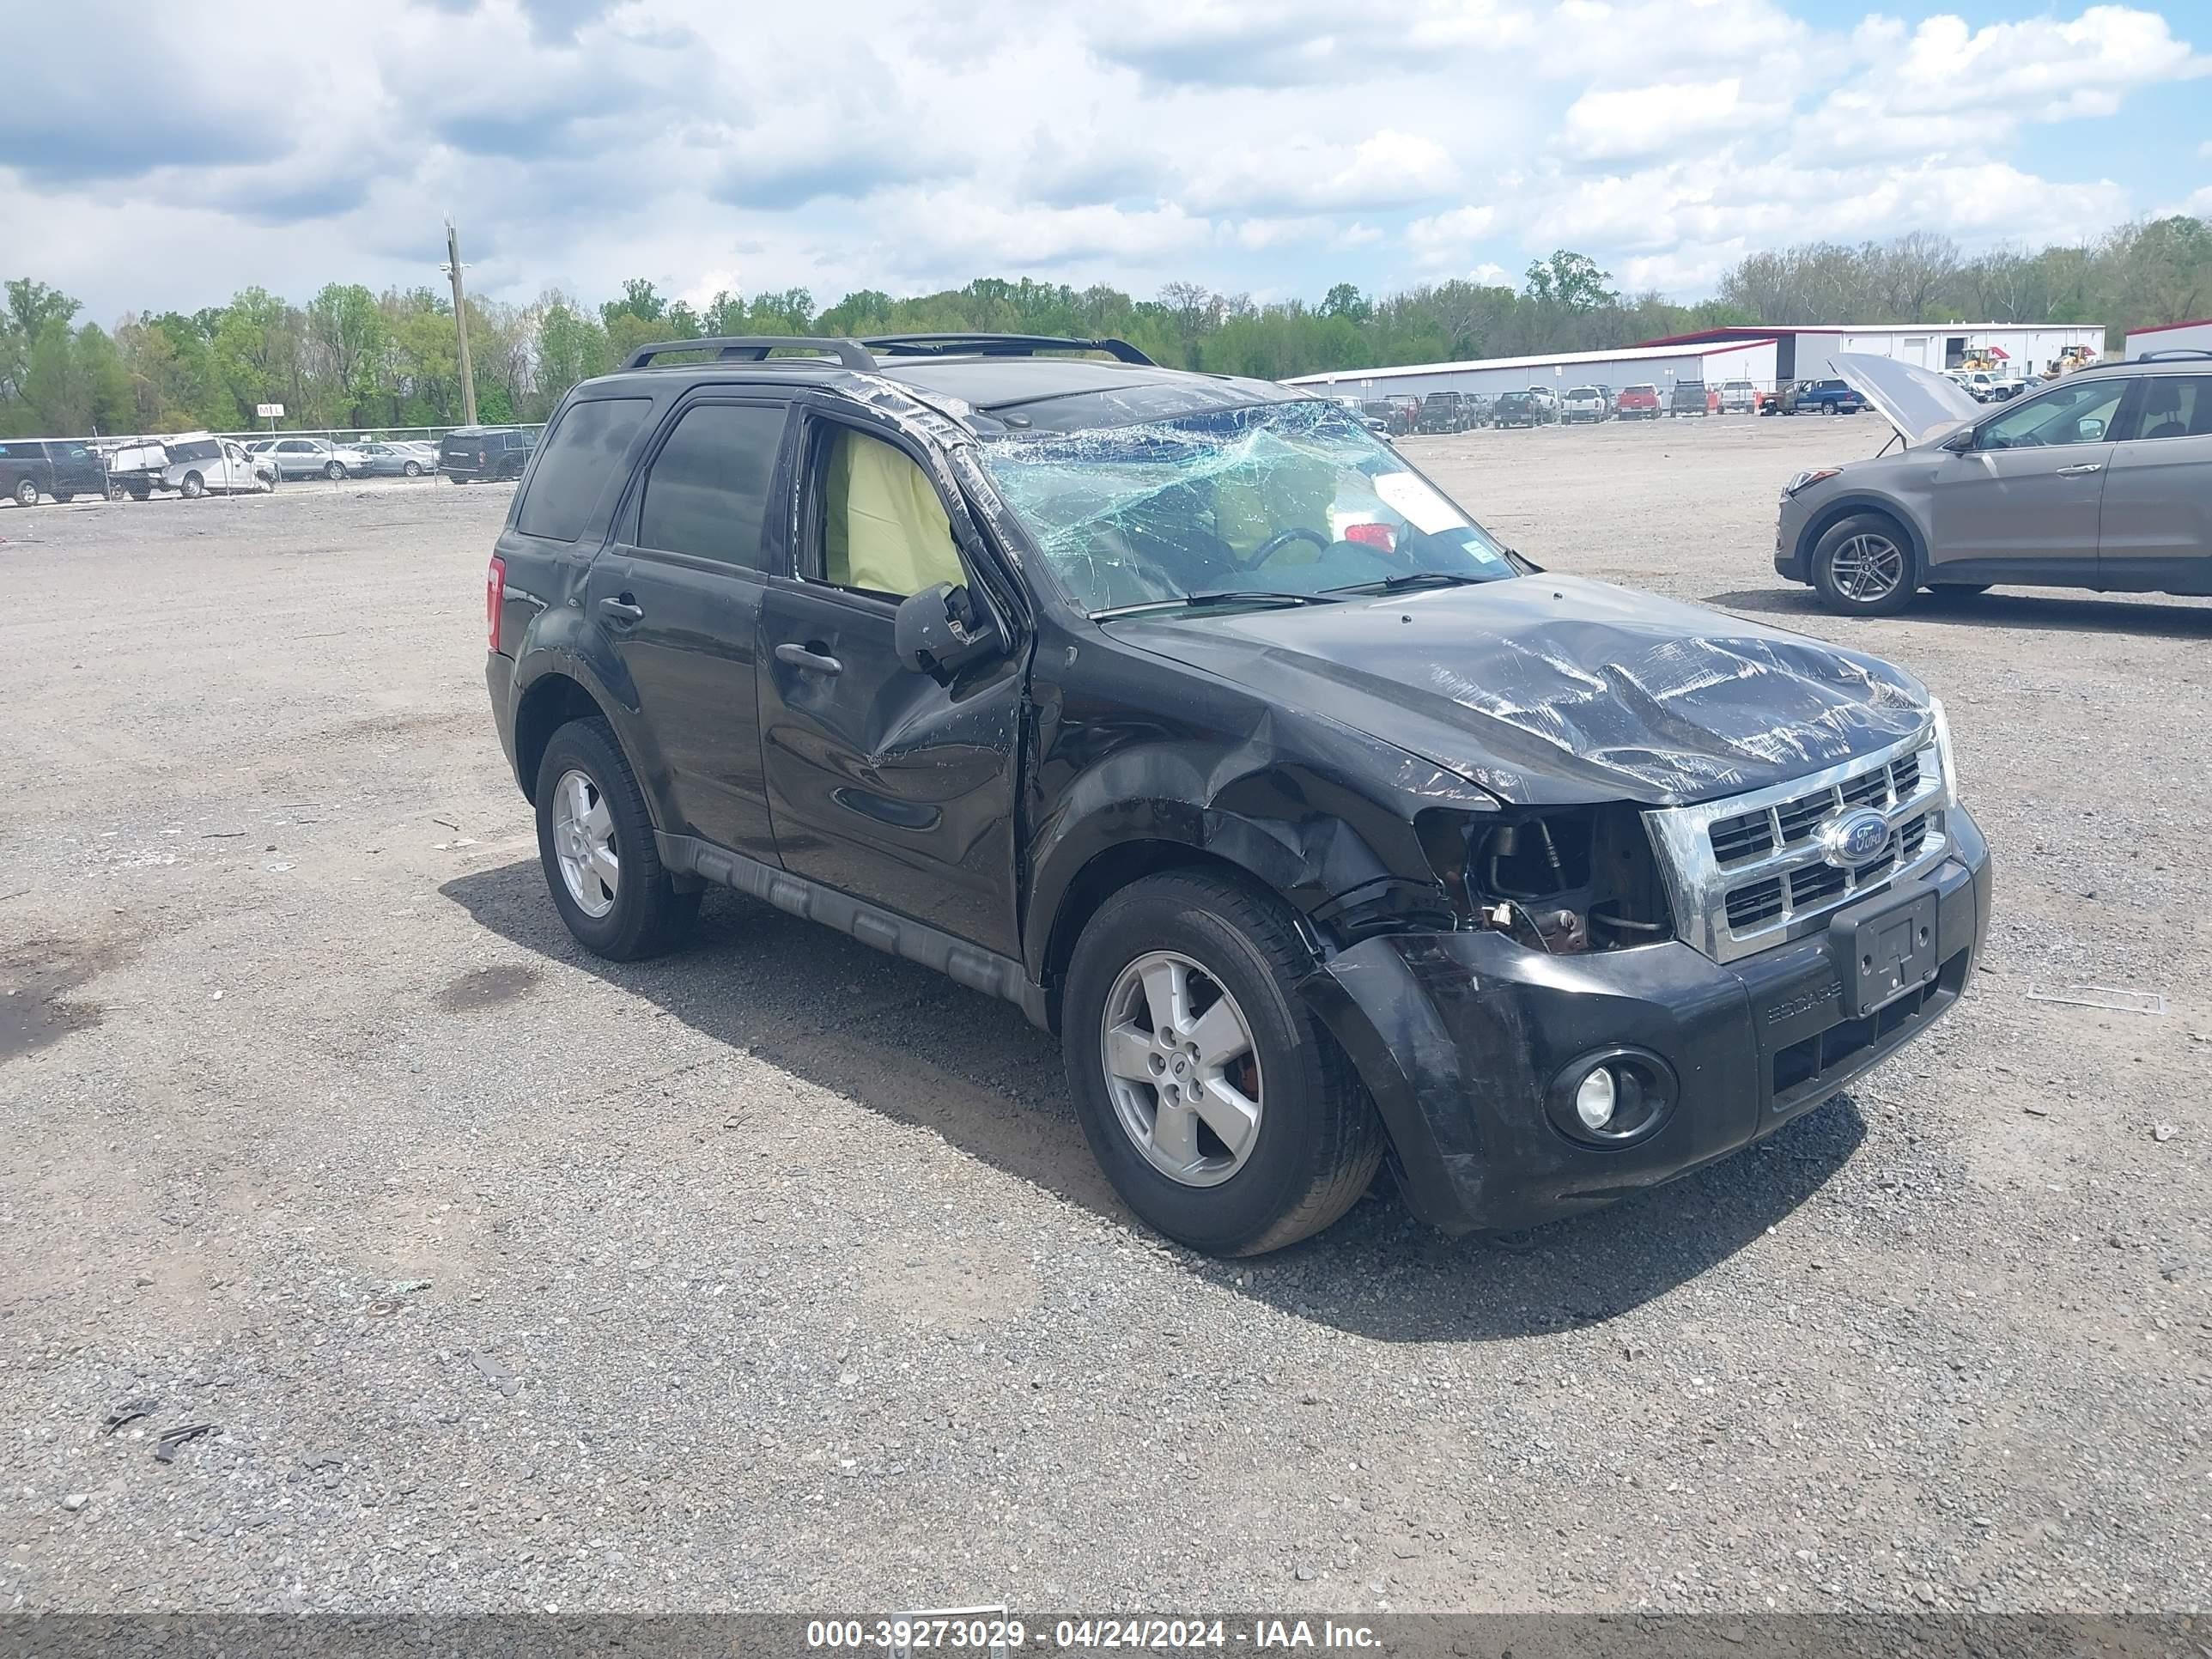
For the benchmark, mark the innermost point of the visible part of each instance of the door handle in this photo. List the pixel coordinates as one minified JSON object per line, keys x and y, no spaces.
{"x":623,"y":608}
{"x":799,"y":656}
{"x":2081,"y":471}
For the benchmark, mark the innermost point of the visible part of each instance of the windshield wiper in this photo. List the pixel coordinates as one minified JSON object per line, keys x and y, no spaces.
{"x":1214,"y":596}
{"x":1414,"y":579}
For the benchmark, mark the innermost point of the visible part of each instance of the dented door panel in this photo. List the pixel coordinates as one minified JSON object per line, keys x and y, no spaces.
{"x":882,"y":782}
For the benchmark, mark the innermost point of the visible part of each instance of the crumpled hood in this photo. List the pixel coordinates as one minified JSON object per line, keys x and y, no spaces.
{"x":1551,"y":690}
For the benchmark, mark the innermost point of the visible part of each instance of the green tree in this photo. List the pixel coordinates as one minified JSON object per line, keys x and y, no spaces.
{"x":347,"y":338}
{"x":1571,"y":280}
{"x":1346,"y":301}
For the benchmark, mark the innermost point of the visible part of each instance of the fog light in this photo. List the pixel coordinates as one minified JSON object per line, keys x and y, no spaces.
{"x":1593,"y":1098}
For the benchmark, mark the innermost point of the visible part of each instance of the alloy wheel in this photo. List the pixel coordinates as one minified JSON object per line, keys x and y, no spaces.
{"x":1182,"y":1069}
{"x":584,"y":843}
{"x":1868,"y":568}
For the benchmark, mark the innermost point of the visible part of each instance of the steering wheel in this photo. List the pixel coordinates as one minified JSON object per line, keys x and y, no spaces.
{"x":1281,"y":539}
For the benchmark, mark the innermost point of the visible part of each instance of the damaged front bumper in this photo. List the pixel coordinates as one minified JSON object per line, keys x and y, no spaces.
{"x":1462,"y":1038}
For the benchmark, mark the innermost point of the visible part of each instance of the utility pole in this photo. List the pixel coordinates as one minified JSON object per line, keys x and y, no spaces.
{"x":453,"y":269}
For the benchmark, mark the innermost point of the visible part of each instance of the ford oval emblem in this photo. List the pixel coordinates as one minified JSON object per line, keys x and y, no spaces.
{"x":1856,"y":838}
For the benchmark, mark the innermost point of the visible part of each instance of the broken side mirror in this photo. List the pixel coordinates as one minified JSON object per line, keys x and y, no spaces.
{"x":942,"y":630}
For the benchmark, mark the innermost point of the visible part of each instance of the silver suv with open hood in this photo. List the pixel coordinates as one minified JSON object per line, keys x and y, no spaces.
{"x":2102,"y":479}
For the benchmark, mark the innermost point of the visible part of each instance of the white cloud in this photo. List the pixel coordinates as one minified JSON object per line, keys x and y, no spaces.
{"x":1389,"y":169}
{"x":2041,"y":68}
{"x":1672,"y":115}
{"x":1456,"y":228}
{"x":1274,"y":145}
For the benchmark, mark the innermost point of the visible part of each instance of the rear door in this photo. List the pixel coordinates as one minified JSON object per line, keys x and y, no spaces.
{"x":883,"y":783}
{"x":2027,"y":496}
{"x":2155,"y":526}
{"x":678,"y":591}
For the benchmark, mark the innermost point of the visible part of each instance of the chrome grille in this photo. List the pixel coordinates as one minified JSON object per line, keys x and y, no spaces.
{"x":1749,"y":872}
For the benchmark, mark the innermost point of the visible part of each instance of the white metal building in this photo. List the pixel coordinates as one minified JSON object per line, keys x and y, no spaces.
{"x":2171,"y":336}
{"x":1656,"y":365}
{"x":1802,"y":351}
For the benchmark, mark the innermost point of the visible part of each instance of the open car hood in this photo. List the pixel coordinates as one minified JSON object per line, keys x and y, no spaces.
{"x":1923,"y":405}
{"x":1550,"y":690}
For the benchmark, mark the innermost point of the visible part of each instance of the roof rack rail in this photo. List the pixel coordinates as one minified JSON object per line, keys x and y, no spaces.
{"x":1000,"y":345}
{"x":2171,"y":352}
{"x":754,"y":348}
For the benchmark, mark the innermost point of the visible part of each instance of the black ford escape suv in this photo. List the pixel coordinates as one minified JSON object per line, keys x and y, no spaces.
{"x":1179,"y":710}
{"x":472,"y":454}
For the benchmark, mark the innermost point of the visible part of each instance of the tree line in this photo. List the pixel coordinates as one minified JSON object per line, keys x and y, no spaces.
{"x":350,"y":358}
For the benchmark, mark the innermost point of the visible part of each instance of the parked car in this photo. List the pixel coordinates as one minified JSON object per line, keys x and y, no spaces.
{"x":1548,"y":400}
{"x":1583,"y":404}
{"x":307,"y":458}
{"x":1738,"y":397}
{"x":60,"y":467}
{"x":1519,"y":409}
{"x":201,"y":464}
{"x":2100,"y":480}
{"x":382,"y":461}
{"x":472,"y":454}
{"x":1320,"y":851}
{"x":1443,"y":411}
{"x":1479,"y":404}
{"x":1829,"y":397}
{"x":1687,"y":398}
{"x":1639,"y":403}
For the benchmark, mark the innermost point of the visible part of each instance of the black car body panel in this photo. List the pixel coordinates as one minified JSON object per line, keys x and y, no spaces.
{"x":1455,"y":1033}
{"x":1557,"y":688}
{"x":1340,"y":755}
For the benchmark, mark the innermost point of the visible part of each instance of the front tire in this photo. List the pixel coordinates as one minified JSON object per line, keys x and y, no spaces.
{"x":1224,"y":1113}
{"x":411,"y":470}
{"x":334,"y":470}
{"x":27,"y":493}
{"x":1863,"y":566}
{"x":595,"y":842}
{"x":195,"y":486}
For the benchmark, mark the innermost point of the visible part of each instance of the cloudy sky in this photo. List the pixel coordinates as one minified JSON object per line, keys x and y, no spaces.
{"x":166,"y":155}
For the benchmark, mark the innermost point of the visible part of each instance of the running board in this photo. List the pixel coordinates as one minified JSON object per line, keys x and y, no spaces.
{"x":886,"y":930}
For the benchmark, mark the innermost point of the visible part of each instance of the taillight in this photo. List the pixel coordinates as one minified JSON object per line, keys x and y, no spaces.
{"x":494,"y":600}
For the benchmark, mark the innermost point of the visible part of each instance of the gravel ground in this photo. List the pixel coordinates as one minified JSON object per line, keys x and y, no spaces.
{"x":776,"y":1274}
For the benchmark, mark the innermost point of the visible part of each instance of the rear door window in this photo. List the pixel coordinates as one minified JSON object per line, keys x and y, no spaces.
{"x":581,"y":465}
{"x":2176,"y":406}
{"x":706,"y":493}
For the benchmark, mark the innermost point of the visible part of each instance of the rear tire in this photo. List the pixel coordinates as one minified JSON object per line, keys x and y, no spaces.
{"x":64,"y":497}
{"x":643,"y":913}
{"x":1316,"y":1141}
{"x":1864,"y":567}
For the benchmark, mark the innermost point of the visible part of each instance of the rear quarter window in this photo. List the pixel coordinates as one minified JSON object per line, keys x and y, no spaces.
{"x":582,"y":458}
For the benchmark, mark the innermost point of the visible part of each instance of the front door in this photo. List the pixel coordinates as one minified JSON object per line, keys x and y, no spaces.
{"x":678,"y":590}
{"x":2155,"y":529}
{"x":2026,"y":496}
{"x":883,"y":783}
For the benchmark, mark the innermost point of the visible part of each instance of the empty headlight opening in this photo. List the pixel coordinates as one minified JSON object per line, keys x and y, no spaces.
{"x":1568,"y":881}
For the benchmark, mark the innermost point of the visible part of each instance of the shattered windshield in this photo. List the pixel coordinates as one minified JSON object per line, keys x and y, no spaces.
{"x":1286,"y":500}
